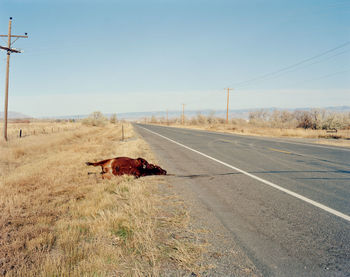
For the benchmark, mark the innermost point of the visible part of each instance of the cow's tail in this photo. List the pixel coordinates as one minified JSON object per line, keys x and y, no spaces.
{"x":97,"y":163}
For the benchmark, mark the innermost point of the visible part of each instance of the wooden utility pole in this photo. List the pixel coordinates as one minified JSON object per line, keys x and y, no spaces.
{"x":183,"y":114}
{"x":9,"y":51}
{"x":228,"y":100}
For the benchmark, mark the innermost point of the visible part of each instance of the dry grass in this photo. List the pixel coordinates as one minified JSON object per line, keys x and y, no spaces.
{"x":56,"y":220}
{"x":34,"y":128}
{"x":341,"y":138}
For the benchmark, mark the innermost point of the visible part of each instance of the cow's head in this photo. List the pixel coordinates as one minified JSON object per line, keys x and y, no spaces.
{"x":157,"y":170}
{"x":150,"y":169}
{"x":154,"y":170}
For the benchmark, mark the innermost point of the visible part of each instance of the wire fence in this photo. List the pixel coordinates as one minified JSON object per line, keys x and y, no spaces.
{"x":23,"y":129}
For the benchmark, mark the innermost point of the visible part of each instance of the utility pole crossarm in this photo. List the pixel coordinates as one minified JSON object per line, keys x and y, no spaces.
{"x":12,"y":50}
{"x":14,"y":36}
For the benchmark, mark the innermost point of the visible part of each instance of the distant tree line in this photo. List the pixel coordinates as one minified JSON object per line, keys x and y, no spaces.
{"x":316,"y":119}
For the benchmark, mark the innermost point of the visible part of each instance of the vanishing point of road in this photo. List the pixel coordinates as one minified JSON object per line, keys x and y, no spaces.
{"x":285,"y":202}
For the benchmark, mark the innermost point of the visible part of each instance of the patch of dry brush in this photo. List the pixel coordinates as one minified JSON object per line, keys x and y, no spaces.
{"x":56,"y":220}
{"x":325,"y":126}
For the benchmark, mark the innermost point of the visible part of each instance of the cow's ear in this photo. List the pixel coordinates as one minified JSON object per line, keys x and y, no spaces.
{"x":139,"y":162}
{"x":142,"y":161}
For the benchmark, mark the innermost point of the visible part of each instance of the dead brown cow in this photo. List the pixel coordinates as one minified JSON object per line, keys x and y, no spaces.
{"x":124,"y":165}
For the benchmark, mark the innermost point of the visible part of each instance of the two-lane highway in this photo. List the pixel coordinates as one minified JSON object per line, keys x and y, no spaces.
{"x":285,"y":202}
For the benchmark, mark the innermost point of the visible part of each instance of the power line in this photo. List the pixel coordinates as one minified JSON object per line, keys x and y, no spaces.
{"x":317,"y":62}
{"x":323,"y":77}
{"x":299,"y":68}
{"x":273,"y":73}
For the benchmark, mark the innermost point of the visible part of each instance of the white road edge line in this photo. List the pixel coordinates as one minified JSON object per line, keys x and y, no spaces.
{"x":312,"y":202}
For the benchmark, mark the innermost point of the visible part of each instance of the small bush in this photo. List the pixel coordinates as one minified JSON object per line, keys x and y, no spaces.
{"x":95,"y":119}
{"x":154,"y":119}
{"x":201,"y":119}
{"x":113,"y":119}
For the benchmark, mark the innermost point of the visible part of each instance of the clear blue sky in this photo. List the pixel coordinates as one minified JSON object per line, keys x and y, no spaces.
{"x":128,"y":56}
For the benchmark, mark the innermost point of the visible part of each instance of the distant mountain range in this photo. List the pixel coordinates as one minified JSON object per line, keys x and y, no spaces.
{"x":14,"y":115}
{"x":243,"y":113}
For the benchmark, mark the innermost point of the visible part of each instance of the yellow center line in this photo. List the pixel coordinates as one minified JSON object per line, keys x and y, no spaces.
{"x":225,"y":140}
{"x":282,"y":151}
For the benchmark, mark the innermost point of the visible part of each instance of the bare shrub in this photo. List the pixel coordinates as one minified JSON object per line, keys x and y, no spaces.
{"x":162,"y":120}
{"x":304,"y":120}
{"x":194,"y":121}
{"x":239,"y":121}
{"x":113,"y":119}
{"x":95,"y":119}
{"x":201,"y":119}
{"x":318,"y":119}
{"x":177,"y":120}
{"x":282,"y":119}
{"x":335,"y":121}
{"x":221,"y":120}
{"x":259,"y":117}
{"x":211,"y":118}
{"x":154,"y":119}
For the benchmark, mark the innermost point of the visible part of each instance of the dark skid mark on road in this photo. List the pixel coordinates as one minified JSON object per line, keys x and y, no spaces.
{"x":271,"y":172}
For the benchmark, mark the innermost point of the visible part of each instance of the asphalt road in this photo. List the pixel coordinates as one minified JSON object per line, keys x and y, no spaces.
{"x":300,"y":227}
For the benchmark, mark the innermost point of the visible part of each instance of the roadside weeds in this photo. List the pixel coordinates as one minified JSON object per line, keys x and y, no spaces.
{"x":59,"y":221}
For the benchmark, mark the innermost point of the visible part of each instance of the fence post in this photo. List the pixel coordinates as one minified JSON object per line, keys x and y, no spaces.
{"x":20,"y":133}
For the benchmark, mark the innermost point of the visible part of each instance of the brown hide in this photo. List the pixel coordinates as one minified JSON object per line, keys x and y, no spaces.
{"x":124,"y":165}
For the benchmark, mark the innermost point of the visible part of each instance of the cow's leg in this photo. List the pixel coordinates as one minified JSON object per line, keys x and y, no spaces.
{"x":107,"y":176}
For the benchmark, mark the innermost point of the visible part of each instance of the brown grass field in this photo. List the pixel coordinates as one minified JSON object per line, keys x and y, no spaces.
{"x":56,"y":220}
